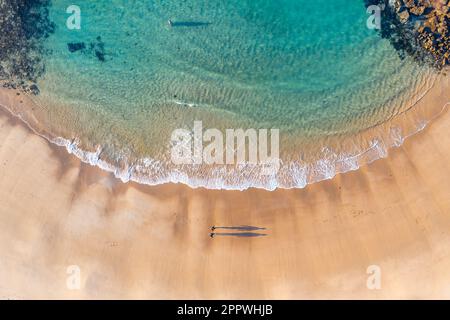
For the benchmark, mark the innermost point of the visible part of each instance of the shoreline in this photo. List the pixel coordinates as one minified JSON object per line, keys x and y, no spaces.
{"x":133,"y":241}
{"x":376,"y":144}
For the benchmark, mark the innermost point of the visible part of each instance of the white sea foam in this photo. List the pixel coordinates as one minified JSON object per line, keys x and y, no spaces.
{"x":291,"y":174}
{"x":294,"y":175}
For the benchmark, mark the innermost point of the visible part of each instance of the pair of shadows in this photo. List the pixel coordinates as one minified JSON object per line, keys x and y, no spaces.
{"x":189,"y":24}
{"x":247,"y":234}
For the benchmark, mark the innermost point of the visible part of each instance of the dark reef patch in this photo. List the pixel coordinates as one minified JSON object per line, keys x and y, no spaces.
{"x":24,"y":24}
{"x":96,"y":48}
{"x":99,"y":49}
{"x":418,"y":28}
{"x":73,"y":47}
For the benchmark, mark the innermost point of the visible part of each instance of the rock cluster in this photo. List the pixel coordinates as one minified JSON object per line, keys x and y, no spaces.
{"x":431,"y":19}
{"x":419,"y":28}
{"x":23,"y":25}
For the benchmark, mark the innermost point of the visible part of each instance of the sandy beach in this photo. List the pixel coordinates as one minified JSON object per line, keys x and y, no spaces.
{"x":133,"y":241}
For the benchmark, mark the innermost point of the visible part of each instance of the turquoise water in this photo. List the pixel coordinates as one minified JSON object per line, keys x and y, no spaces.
{"x":309,"y":68}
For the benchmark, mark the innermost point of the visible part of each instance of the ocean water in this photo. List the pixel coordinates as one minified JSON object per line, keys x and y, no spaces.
{"x":312,"y":69}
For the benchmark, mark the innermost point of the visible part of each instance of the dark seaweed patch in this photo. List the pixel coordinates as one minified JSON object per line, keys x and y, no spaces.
{"x":76,"y":46}
{"x":99,"y":49}
{"x":24,"y":24}
{"x":96,"y":48}
{"x":100,"y":55}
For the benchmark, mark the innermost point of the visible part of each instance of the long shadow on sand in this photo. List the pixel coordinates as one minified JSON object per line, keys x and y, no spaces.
{"x":239,"y":234}
{"x":239,"y":228}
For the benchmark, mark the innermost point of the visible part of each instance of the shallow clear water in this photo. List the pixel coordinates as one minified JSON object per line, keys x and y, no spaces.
{"x":309,"y":68}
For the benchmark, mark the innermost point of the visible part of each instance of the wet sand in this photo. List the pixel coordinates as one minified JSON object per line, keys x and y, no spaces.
{"x":134,"y":241}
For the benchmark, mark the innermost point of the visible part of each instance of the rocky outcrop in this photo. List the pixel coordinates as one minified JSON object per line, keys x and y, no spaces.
{"x":418,"y":27}
{"x":23,"y":26}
